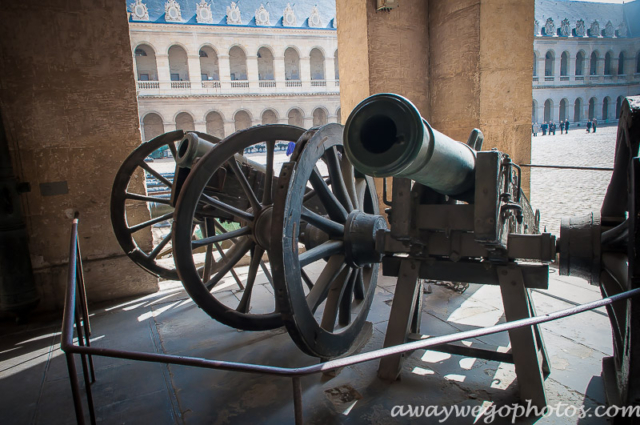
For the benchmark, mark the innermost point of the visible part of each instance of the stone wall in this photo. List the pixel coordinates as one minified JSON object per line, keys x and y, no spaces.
{"x":68,"y":101}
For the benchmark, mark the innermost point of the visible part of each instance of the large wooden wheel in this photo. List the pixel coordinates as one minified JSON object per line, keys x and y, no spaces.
{"x":325,"y":292}
{"x":135,"y":207}
{"x":233,"y":197}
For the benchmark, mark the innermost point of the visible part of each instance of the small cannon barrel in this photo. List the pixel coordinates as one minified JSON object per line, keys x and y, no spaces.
{"x":190,"y":148}
{"x":385,"y":136}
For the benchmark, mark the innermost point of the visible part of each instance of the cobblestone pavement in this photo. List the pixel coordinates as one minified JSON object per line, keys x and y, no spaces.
{"x":567,"y":193}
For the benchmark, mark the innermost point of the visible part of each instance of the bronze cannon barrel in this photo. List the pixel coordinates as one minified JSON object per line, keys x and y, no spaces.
{"x":385,"y":136}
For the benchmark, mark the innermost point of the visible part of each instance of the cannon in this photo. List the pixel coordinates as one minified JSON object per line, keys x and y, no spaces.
{"x":311,"y":228}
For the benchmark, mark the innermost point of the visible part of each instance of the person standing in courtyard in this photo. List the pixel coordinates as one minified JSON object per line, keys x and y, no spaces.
{"x":561,"y":127}
{"x":588,"y":126}
{"x":552,"y":128}
{"x":537,"y":129}
{"x":595,"y":124}
{"x":544,"y":128}
{"x":566,"y":127}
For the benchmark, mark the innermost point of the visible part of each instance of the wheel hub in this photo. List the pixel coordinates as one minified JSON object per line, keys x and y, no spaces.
{"x":360,"y":238}
{"x":262,"y":228}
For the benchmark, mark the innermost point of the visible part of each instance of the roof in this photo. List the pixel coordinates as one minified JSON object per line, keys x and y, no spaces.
{"x":302,"y":10}
{"x":558,"y":10}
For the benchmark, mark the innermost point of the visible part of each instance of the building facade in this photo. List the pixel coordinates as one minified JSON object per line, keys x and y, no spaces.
{"x":586,"y":59}
{"x":218,"y":68}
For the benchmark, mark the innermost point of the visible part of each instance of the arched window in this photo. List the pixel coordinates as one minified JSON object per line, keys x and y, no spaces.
{"x":209,"y":68}
{"x":618,"y":107}
{"x":577,"y":110}
{"x":242,"y":120}
{"x":237,"y":64}
{"x":549,"y":60}
{"x":296,"y":118}
{"x":339,"y":114}
{"x":291,"y":64}
{"x":563,"y":110}
{"x":593,"y":65}
{"x":548,"y":110}
{"x":265,"y":64}
{"x":146,"y":63}
{"x":269,"y":117}
{"x":580,"y":63}
{"x":215,"y":124}
{"x":319,"y":117}
{"x":335,"y":65}
{"x":535,"y":64}
{"x":607,"y":63}
{"x":564,"y":64}
{"x":605,"y":108}
{"x":152,"y":126}
{"x":621,"y":63}
{"x":184,"y":122}
{"x":592,"y":108}
{"x":316,"y":59}
{"x":178,"y":64}
{"x":534,"y":112}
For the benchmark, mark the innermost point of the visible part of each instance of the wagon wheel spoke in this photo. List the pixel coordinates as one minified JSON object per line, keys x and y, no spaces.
{"x":306,"y":279}
{"x":155,"y":174}
{"x":148,"y":223}
{"x":174,"y":152}
{"x":334,"y":208}
{"x":246,"y":187}
{"x":358,"y":289}
{"x":338,"y":184}
{"x":232,"y":259}
{"x":223,"y":258}
{"x":349,"y":178}
{"x":344,"y":317}
{"x":256,"y":255}
{"x":361,"y":191}
{"x":221,"y":237}
{"x":319,"y":291}
{"x":330,"y":227}
{"x":327,"y":249}
{"x":227,"y":208}
{"x":334,"y":297}
{"x":311,"y":193}
{"x":136,"y":197}
{"x":267,"y":196}
{"x":153,"y":254}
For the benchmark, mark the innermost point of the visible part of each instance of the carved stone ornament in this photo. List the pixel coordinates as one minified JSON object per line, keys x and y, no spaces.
{"x":622,"y":30}
{"x":172,"y":11}
{"x":594,"y":31}
{"x":139,"y":11}
{"x":609,"y":31}
{"x":549,"y":28}
{"x":233,"y":14}
{"x":565,"y":28}
{"x":203,"y":13}
{"x":580,"y":28}
{"x":288,"y":18}
{"x":314,"y":18}
{"x":262,"y":16}
{"x":536,"y":28}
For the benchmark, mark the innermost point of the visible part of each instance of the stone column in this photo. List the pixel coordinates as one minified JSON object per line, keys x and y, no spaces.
{"x":305,"y":72}
{"x":164,"y":74}
{"x":278,"y":70}
{"x":195,"y":75}
{"x":308,"y":121}
{"x":225,"y":73}
{"x":614,"y":65}
{"x":200,"y":126}
{"x":229,"y":127}
{"x":329,"y":70}
{"x":252,"y":72}
{"x":571,"y":68}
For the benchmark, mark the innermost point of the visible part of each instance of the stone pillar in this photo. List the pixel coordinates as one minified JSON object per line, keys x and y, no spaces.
{"x":308,"y":121}
{"x":225,"y":73}
{"x":252,"y":72}
{"x":571,"y":68}
{"x":200,"y":126}
{"x":164,"y":73}
{"x":329,"y":69}
{"x":195,"y":75}
{"x":614,"y":65}
{"x":569,"y":111}
{"x":278,"y":70}
{"x":305,"y":72}
{"x":229,"y":127}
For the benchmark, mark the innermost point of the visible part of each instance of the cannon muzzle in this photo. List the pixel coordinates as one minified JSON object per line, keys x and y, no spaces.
{"x":190,"y":148}
{"x":385,"y":136}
